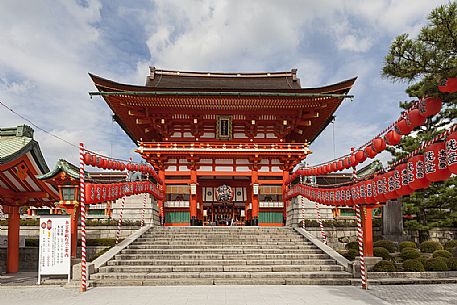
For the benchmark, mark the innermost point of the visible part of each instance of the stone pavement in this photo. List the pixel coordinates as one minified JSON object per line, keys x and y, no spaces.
{"x":233,"y":295}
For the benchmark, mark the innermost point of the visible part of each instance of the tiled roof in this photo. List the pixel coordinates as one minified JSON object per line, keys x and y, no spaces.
{"x":62,"y":166}
{"x":168,"y":79}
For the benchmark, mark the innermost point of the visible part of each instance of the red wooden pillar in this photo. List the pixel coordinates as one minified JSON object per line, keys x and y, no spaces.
{"x":74,"y":214}
{"x":193,"y":197}
{"x":285,"y":177}
{"x":160,"y":203}
{"x":14,"y":222}
{"x":255,"y":198}
{"x":367,"y":224}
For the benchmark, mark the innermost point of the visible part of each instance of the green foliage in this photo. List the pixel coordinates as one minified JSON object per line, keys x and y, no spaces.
{"x":387,"y":244}
{"x":381,"y":252}
{"x":430,"y":246}
{"x":424,"y":62}
{"x":436,"y":264}
{"x":454,"y":251}
{"x":351,"y":254}
{"x":410,"y":253}
{"x":352,"y":245}
{"x":413,"y":265}
{"x":452,"y":263}
{"x":442,"y":253}
{"x":451,"y":244}
{"x":384,"y":266}
{"x":407,"y":244}
{"x":423,"y":259}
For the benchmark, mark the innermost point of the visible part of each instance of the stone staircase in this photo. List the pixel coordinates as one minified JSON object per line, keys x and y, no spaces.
{"x":221,"y":256}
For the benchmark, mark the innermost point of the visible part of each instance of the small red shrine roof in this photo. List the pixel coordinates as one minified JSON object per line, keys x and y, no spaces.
{"x":21,"y":161}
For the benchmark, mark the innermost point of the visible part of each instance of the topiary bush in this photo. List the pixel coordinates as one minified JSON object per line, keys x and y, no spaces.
{"x":450,"y":244}
{"x":442,"y":253}
{"x":430,"y":246}
{"x":381,"y":252}
{"x":351,"y":254}
{"x":423,"y":260}
{"x":410,"y":253}
{"x":407,"y":244}
{"x":436,"y":264}
{"x":387,"y":244}
{"x":352,"y":245}
{"x":452,"y":263}
{"x":384,"y":266}
{"x":413,"y":265}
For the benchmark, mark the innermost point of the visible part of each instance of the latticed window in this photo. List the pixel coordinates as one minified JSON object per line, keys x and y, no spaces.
{"x":68,"y":193}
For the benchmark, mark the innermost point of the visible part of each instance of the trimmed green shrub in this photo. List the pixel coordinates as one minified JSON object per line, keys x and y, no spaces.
{"x":450,"y":244}
{"x":384,"y":266}
{"x":454,"y":251}
{"x":430,"y":246}
{"x":423,"y":259}
{"x":413,"y":265}
{"x":352,"y":245}
{"x":436,"y":264}
{"x":409,"y":253}
{"x":407,"y":244}
{"x":442,"y":253}
{"x":381,"y":252}
{"x":387,"y":244}
{"x":351,"y":254}
{"x":452,"y":263}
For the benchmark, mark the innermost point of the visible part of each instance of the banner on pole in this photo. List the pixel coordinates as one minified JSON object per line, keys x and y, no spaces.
{"x":55,"y":245}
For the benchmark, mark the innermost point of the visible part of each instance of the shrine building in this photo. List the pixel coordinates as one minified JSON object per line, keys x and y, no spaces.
{"x":224,"y":143}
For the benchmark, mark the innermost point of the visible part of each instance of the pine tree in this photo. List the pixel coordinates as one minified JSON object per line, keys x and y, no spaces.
{"x":424,"y":63}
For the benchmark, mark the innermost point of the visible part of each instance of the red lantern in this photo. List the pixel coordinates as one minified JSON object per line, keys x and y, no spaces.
{"x":340,"y":165}
{"x":328,"y":168}
{"x":353,"y":160}
{"x":416,"y":173}
{"x":89,"y":193}
{"x":403,"y":127}
{"x":381,"y":183}
{"x":429,"y":106}
{"x":435,"y":162}
{"x":369,"y":196}
{"x":98,"y":161}
{"x":360,"y":156}
{"x":404,"y":188}
{"x":347,"y":162}
{"x":122,"y":166}
{"x":378,"y":145}
{"x":392,"y":138}
{"x":105,"y":163}
{"x":334,"y":166}
{"x":415,"y":117}
{"x":451,"y":152}
{"x":110,"y":164}
{"x":362,"y":193}
{"x":87,"y":158}
{"x":391,"y":180}
{"x":370,"y":152}
{"x":129,"y":167}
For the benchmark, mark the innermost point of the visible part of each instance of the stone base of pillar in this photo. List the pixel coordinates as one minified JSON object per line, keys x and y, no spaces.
{"x":193,"y":221}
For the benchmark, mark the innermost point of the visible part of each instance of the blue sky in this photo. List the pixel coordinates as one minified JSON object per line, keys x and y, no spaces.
{"x":48,"y":47}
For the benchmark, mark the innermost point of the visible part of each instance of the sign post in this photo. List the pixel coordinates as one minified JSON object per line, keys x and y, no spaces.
{"x":55,"y":246}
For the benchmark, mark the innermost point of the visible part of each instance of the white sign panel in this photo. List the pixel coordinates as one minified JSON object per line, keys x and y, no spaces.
{"x":55,"y":245}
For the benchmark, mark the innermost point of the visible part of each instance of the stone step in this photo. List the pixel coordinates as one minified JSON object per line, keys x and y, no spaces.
{"x":221,"y":256}
{"x":212,"y":281}
{"x":220,"y":251}
{"x":218,"y":246}
{"x":150,"y":262}
{"x":220,"y":268}
{"x":210,"y":242}
{"x":237,"y":275}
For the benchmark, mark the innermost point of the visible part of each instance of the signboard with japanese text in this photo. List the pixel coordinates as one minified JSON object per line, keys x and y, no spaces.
{"x":55,"y":245}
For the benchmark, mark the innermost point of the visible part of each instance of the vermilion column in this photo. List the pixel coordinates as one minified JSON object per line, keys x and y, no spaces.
{"x":255,"y":199}
{"x":74,"y":214}
{"x":367,"y":223}
{"x":285,"y":177}
{"x":163,"y":187}
{"x":193,"y":199}
{"x":14,"y":222}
